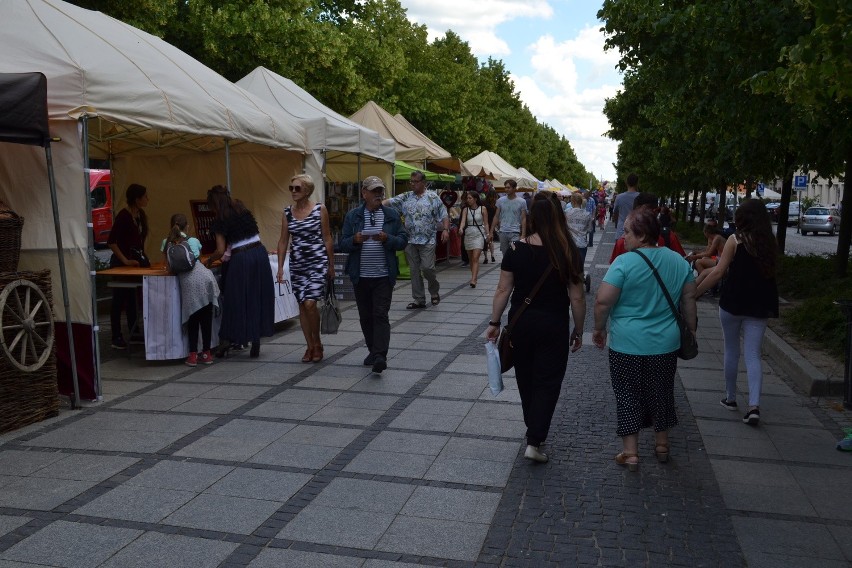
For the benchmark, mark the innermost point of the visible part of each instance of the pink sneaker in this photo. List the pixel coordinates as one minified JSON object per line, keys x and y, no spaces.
{"x":192,"y":360}
{"x":207,"y":357}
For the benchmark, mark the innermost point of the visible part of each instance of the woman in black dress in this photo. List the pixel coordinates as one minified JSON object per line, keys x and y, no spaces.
{"x":127,"y":241}
{"x":541,"y":339}
{"x":249,"y":297}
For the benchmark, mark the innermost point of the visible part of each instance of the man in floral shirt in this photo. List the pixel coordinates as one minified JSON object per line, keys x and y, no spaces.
{"x":424,"y":212}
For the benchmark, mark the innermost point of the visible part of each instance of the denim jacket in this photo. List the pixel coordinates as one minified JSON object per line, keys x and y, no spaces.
{"x":397,"y":239}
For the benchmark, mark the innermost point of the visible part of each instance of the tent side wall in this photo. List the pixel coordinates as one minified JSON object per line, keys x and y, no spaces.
{"x":259,"y":177}
{"x":24,"y":187}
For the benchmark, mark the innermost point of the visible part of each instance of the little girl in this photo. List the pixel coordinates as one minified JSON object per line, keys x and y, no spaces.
{"x":199,"y":295}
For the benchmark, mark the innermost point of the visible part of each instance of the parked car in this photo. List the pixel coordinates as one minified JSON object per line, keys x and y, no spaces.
{"x":100,"y":192}
{"x":792,"y":213}
{"x":820,"y":219}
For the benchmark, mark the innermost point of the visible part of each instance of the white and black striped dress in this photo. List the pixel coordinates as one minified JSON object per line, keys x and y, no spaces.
{"x":308,"y":256}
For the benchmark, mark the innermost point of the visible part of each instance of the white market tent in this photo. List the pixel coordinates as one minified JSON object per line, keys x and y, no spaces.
{"x":500,"y":169}
{"x":162,"y":119}
{"x":448,"y":164}
{"x":344,"y":150}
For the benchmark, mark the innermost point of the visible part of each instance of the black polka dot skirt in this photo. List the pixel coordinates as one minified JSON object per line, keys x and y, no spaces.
{"x":644,"y":391}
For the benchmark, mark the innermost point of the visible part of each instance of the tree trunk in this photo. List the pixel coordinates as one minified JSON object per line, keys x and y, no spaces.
{"x":845,"y":238}
{"x":693,"y":211}
{"x":784,"y":209}
{"x":722,"y":207}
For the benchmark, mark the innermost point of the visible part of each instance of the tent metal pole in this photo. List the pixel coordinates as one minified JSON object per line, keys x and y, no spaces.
{"x":62,"y":275}
{"x":228,"y":166}
{"x":84,"y":123}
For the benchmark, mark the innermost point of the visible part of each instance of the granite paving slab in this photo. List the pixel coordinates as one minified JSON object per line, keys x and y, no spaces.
{"x":259,"y":484}
{"x":71,"y":545}
{"x":136,"y":503}
{"x":334,"y":526}
{"x":223,"y":513}
{"x":434,"y":537}
{"x":154,"y":549}
{"x":85,"y":467}
{"x":187,"y":476}
{"x":40,"y":493}
{"x":278,"y":557}
{"x":11,"y":522}
{"x":20,"y":463}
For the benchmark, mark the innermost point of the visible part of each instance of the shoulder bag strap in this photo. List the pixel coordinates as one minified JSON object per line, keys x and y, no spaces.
{"x":528,"y":300}
{"x":660,"y":282}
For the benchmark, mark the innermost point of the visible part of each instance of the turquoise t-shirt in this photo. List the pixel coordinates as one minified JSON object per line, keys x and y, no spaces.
{"x":641,"y":321}
{"x":194,"y":245}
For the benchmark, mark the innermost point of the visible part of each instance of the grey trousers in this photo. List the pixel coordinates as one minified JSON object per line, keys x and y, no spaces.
{"x":506,"y":239}
{"x":421,"y":260}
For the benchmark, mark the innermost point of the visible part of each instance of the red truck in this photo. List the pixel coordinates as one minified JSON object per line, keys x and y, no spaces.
{"x":100,"y":192}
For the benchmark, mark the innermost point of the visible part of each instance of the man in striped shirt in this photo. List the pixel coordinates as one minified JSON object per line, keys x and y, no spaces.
{"x":372,"y":233}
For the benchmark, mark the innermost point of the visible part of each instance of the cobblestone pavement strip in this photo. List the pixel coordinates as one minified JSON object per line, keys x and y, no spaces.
{"x":271,"y":462}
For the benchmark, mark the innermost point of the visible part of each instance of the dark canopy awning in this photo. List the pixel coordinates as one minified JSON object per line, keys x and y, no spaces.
{"x":23,"y":108}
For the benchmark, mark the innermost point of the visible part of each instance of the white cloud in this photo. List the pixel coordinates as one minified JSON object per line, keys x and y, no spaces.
{"x":565,"y":82}
{"x":567,"y":89}
{"x":475,"y":20}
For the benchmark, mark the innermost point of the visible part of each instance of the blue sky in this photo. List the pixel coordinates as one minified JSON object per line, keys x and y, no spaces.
{"x":553,"y":50}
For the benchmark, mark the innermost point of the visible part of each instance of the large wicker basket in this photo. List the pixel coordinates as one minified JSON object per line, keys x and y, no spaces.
{"x":11,"y":225}
{"x":28,"y":397}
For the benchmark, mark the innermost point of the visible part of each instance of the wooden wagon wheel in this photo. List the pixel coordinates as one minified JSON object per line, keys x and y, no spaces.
{"x":26,"y":325}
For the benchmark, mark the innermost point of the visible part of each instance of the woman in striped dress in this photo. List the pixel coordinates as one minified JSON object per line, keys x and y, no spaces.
{"x":305,"y":232}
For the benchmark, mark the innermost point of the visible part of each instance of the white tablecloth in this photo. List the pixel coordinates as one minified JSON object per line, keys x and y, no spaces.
{"x":165,"y":337}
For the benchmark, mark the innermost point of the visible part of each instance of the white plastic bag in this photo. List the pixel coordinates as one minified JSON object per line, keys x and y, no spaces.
{"x":492,"y":358}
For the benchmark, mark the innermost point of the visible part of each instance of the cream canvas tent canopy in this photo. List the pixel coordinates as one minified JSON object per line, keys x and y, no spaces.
{"x":446,"y":164}
{"x":500,"y":169}
{"x":162,"y":119}
{"x":343,"y":149}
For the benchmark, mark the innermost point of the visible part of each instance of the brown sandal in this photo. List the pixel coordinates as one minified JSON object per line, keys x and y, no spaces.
{"x":622,"y":458}
{"x":306,"y":358}
{"x":662,"y":452}
{"x":317,"y":356}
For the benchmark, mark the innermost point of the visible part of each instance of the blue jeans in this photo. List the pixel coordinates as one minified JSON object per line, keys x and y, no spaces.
{"x":752,"y":330}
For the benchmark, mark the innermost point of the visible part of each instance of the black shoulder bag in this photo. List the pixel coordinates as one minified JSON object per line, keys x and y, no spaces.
{"x":504,"y":343}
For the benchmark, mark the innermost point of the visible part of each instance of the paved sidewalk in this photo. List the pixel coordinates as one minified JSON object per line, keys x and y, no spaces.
{"x":272,"y":462}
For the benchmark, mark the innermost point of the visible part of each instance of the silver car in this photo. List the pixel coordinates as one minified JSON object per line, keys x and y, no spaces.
{"x":820,"y":219}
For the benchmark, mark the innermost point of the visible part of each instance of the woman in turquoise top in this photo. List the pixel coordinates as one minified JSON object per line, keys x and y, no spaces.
{"x":644,"y":336}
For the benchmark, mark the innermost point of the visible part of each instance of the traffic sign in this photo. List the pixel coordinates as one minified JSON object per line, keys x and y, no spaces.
{"x":800,"y":182}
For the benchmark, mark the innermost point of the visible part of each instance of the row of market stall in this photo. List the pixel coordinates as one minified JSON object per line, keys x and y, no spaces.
{"x":164,"y":120}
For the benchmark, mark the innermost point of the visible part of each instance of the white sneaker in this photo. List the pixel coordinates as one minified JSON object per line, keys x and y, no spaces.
{"x":532,"y":453}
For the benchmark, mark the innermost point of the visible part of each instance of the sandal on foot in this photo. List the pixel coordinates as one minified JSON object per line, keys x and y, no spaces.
{"x":306,"y":358}
{"x":436,"y":300}
{"x":318,"y":354}
{"x":415,"y":306}
{"x":622,"y":458}
{"x":662,"y":453}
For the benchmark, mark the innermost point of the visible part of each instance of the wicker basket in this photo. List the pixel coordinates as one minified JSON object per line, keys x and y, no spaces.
{"x":26,"y":398}
{"x":11,"y":225}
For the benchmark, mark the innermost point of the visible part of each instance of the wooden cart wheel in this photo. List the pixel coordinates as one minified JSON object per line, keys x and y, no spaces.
{"x":26,"y":325}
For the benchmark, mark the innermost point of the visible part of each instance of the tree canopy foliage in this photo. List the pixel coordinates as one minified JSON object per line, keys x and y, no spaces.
{"x":347,"y":52}
{"x":721,"y":93}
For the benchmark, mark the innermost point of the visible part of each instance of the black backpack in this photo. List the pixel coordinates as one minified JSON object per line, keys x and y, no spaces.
{"x":180,"y":257}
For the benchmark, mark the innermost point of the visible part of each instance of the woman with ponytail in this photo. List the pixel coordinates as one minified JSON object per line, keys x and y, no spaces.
{"x":199,"y":294}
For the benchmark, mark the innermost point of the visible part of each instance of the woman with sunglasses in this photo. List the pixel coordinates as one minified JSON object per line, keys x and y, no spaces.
{"x":306,"y":234}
